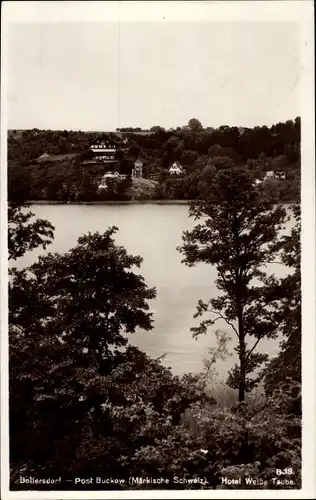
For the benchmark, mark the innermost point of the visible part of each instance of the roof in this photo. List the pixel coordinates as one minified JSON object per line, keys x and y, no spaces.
{"x":52,"y":158}
{"x":110,"y":174}
{"x":103,"y":145}
{"x":176,"y":165}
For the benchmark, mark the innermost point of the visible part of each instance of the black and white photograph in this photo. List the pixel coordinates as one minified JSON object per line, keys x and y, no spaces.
{"x":158,"y":250}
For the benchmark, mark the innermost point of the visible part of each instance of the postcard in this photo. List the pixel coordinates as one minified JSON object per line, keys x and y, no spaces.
{"x":158,"y":250}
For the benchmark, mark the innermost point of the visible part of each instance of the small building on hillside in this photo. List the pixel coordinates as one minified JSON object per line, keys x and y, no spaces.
{"x":137,"y":172}
{"x":50,"y":158}
{"x":44,"y":156}
{"x":176,"y":169}
{"x":102,"y":152}
{"x":275,"y":174}
{"x":110,"y":175}
{"x":279,"y":174}
{"x":269,"y":175}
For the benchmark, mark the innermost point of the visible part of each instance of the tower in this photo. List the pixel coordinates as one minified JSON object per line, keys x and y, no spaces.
{"x":137,"y":171}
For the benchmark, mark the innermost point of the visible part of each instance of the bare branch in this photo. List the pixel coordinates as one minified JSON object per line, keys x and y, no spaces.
{"x":162,"y":356}
{"x":220,"y":316}
{"x":258,"y":340}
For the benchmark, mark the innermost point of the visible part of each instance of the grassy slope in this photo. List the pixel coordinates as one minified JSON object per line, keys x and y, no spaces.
{"x":142,"y":188}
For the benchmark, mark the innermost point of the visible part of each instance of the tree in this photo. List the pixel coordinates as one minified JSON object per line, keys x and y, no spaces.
{"x":158,"y":147}
{"x":134,"y":150}
{"x":237,"y":233}
{"x":126,"y":165}
{"x":195,"y":125}
{"x":24,"y":235}
{"x":70,"y":316}
{"x":83,"y":403}
{"x":62,"y":145}
{"x":91,"y":284}
{"x":271,"y":188}
{"x":288,"y":313}
{"x":19,"y":182}
{"x":123,"y":186}
{"x":156,"y":128}
{"x":221,"y":162}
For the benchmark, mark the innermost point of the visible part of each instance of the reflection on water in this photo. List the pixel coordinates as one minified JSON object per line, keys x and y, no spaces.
{"x":154,"y":232}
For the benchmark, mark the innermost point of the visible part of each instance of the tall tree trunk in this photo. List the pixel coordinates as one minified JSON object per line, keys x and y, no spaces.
{"x":242,"y":367}
{"x":242,"y":355}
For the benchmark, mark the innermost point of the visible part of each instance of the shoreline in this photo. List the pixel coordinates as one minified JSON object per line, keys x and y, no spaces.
{"x":124,"y":202}
{"x":109,"y":202}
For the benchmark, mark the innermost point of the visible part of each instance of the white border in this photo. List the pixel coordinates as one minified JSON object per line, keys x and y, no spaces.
{"x":298,"y":11}
{"x":138,"y":11}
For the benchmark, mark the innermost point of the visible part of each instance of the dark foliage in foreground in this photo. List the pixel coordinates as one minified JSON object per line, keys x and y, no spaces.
{"x":25,"y":233}
{"x":85,"y":403}
{"x":288,"y":315}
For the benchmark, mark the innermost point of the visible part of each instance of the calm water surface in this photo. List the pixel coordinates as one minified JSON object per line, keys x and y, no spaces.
{"x":152,"y":231}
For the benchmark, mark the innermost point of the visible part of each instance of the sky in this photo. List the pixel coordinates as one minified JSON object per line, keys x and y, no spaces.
{"x":104,"y":75}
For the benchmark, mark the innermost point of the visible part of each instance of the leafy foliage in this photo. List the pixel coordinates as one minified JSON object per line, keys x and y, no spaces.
{"x":69,"y":314}
{"x":86,"y":403}
{"x":195,"y":125}
{"x":237,"y":233}
{"x":64,"y":176}
{"x":88,"y":296}
{"x":288,"y":314}
{"x":24,"y":235}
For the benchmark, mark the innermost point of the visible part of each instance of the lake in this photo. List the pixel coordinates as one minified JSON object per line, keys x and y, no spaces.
{"x":154,"y":232}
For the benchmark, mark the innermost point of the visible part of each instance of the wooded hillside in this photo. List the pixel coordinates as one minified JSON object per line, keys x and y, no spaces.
{"x":64,"y":177}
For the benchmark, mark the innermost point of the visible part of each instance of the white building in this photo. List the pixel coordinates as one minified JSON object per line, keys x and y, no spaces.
{"x":176,"y":169}
{"x":279,"y":174}
{"x":103,"y":147}
{"x":269,"y":174}
{"x":43,"y":156}
{"x":110,"y":175}
{"x":103,"y":152}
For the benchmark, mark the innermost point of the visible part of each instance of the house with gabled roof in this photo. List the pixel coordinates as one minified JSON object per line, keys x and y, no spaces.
{"x":279,"y":174}
{"x":176,"y":169}
{"x":275,"y":174}
{"x":102,"y":152}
